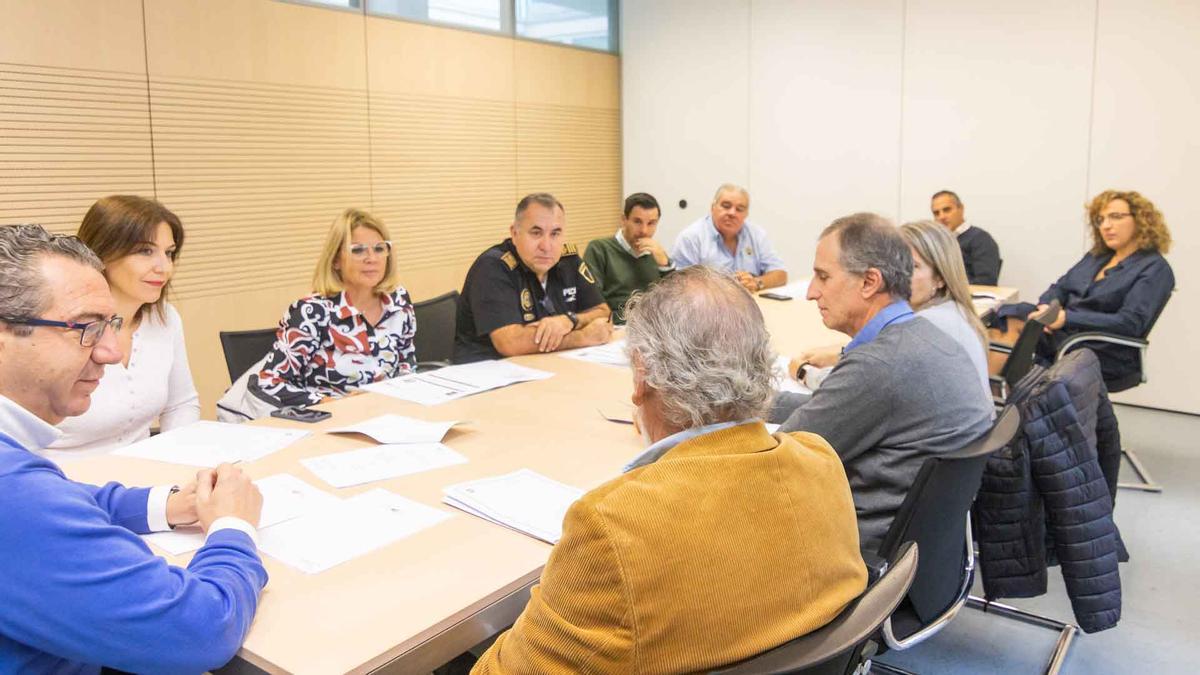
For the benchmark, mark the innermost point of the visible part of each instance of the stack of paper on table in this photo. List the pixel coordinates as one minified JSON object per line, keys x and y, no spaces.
{"x":524,"y":500}
{"x":284,"y":497}
{"x":796,"y":289}
{"x":312,"y":530}
{"x":610,"y":354}
{"x":208,"y":444}
{"x":455,"y":382}
{"x":381,"y":462}
{"x":399,"y":429}
{"x":351,"y":528}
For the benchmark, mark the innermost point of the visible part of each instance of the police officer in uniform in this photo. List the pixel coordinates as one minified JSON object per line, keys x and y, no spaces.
{"x":530,"y":293}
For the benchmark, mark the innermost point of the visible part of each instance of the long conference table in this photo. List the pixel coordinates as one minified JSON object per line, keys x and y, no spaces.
{"x":415,"y":604}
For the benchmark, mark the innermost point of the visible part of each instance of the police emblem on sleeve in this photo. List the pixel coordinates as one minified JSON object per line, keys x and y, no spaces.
{"x":526,"y":300}
{"x":586,"y":273}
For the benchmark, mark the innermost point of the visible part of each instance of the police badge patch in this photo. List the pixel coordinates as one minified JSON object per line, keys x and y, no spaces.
{"x":526,"y":300}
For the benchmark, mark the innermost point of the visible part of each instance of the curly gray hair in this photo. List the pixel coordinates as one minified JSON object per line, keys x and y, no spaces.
{"x":701,"y":342}
{"x":23,"y":289}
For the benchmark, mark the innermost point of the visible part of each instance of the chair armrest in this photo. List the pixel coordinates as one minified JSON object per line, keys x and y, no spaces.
{"x":1099,"y":336}
{"x":1000,"y":348}
{"x":876,"y":566}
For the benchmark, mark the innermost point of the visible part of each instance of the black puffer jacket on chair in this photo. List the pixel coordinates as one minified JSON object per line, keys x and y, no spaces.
{"x":1049,"y":494}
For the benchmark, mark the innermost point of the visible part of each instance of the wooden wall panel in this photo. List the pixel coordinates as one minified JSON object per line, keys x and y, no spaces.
{"x":443,"y":143}
{"x":260,"y":139}
{"x":74,"y":119}
{"x":254,"y":121}
{"x":569,"y":133}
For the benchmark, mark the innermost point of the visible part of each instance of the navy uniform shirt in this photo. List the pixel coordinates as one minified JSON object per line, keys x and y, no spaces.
{"x":501,"y":291}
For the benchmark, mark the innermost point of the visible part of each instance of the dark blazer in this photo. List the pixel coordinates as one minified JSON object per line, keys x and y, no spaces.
{"x":1125,"y":302}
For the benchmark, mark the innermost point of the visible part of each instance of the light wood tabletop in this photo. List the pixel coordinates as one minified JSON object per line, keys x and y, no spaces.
{"x":418,"y":602}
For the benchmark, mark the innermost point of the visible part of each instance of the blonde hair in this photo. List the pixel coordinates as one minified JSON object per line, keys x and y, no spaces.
{"x":1151,"y":233}
{"x":326,"y":279}
{"x":937,"y":247}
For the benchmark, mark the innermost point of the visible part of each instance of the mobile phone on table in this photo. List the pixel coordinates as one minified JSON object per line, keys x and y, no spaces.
{"x":297,"y":413}
{"x":775,"y":296}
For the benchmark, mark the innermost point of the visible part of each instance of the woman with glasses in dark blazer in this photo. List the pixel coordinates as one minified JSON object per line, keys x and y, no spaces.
{"x":1118,"y":287}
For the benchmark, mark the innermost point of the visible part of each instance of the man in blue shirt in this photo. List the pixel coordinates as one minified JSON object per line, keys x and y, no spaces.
{"x":903,"y":389}
{"x":80,"y":589}
{"x":726,"y":241}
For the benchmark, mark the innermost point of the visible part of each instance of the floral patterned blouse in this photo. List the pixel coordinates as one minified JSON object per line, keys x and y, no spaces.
{"x":326,"y":347}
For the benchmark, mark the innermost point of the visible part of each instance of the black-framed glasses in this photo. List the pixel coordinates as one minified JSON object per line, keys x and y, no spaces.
{"x":381,"y":248}
{"x":90,"y":332}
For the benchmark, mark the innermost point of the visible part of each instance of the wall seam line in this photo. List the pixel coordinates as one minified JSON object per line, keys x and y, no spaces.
{"x":900,"y":139}
{"x":370,"y":136}
{"x":149,"y":105}
{"x":1087,"y":169}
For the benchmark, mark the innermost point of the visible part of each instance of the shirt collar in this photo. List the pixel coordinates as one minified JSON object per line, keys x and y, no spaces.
{"x":962,"y":229}
{"x":897,"y":312}
{"x":31,"y":431}
{"x":624,"y":243}
{"x":345,"y":310}
{"x":663,"y":446}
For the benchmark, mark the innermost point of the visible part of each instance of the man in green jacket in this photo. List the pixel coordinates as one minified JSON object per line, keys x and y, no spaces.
{"x":631,"y":259}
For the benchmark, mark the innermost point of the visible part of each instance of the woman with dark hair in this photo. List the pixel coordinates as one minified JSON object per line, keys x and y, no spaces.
{"x":1118,"y":287}
{"x":138,"y":240}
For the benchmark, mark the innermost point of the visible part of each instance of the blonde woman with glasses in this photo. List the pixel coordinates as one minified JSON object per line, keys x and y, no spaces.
{"x":940,"y":292}
{"x":357,"y":327}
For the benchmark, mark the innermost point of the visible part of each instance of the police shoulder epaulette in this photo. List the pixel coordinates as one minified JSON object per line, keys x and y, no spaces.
{"x":509,"y":260}
{"x":570,"y":249}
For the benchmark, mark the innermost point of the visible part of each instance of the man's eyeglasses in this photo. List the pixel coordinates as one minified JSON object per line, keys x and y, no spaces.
{"x":1111,"y":217}
{"x":89,"y":332}
{"x":382,"y":248}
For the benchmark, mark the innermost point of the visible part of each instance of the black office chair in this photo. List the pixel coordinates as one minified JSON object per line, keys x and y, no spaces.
{"x":437,"y":321}
{"x":843,"y":645}
{"x":243,"y":348}
{"x":1021,"y":354}
{"x":936,"y":515}
{"x":1123,"y":383}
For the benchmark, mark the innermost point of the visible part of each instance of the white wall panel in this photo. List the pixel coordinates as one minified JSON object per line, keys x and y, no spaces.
{"x":996,"y":101}
{"x":1144,"y":138}
{"x":825,"y":107}
{"x":824,"y":116}
{"x":684,"y":93}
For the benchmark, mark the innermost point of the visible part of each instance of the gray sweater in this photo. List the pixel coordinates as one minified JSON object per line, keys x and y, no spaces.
{"x":910,"y":393}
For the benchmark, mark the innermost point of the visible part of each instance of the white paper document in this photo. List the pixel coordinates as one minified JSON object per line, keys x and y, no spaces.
{"x":206,"y":443}
{"x":796,"y":289}
{"x":524,"y":500}
{"x":351,"y":528}
{"x":399,"y":429}
{"x":455,"y":382}
{"x":610,"y":354}
{"x":784,"y":382}
{"x":284,"y":497}
{"x":380,"y":462}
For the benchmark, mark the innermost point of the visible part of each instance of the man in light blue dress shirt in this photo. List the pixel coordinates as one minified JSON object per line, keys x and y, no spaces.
{"x":725,"y":240}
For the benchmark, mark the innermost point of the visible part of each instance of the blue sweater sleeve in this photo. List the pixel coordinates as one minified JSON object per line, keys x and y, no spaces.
{"x":125,"y":506}
{"x":80,"y":586}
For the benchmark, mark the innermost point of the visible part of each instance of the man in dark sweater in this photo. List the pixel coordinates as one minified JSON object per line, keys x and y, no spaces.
{"x":981,"y":255}
{"x":631,"y":259}
{"x":903,"y":389}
